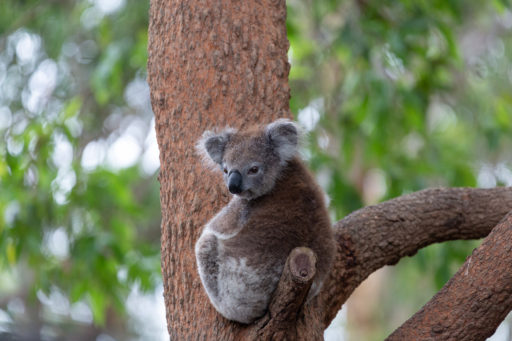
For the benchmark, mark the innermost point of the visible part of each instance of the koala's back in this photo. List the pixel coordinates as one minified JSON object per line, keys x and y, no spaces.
{"x":293,"y":214}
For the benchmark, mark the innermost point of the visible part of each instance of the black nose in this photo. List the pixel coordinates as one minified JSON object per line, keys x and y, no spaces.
{"x":235,"y":182}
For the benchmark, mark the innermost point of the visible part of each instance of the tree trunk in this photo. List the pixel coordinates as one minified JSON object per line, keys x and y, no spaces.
{"x":214,"y":63}
{"x":211,"y":63}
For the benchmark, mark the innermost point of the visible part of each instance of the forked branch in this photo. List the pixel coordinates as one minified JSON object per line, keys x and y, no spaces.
{"x":382,"y":234}
{"x":475,"y":300}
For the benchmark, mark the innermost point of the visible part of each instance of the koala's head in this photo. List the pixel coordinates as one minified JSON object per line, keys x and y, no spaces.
{"x":251,"y":160}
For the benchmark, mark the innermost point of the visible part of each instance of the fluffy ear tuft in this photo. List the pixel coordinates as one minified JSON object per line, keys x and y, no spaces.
{"x":284,"y":135}
{"x":211,"y":145}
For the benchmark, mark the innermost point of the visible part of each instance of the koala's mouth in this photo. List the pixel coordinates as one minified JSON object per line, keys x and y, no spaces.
{"x":247,"y":194}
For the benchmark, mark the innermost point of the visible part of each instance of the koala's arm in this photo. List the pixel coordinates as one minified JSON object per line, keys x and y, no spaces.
{"x":223,"y":226}
{"x":228,"y":222}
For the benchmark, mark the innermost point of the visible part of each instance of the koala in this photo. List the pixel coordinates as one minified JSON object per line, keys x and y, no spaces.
{"x":276,"y":206}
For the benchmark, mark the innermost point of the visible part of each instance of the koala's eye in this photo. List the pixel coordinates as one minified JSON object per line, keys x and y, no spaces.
{"x":225,"y":170}
{"x":253,"y":170}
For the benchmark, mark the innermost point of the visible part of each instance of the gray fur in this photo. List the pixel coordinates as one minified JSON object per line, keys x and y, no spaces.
{"x":242,"y":250}
{"x":211,"y":145}
{"x":284,"y":135}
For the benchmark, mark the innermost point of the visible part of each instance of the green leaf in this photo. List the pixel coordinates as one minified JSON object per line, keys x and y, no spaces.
{"x":98,"y":305}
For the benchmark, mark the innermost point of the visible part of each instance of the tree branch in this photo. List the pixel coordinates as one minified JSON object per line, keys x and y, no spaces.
{"x":475,"y":300}
{"x":279,"y":323}
{"x":382,"y":234}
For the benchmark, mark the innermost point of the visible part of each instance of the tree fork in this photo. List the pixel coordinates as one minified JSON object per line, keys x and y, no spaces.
{"x":474,"y":301}
{"x":380,"y":235}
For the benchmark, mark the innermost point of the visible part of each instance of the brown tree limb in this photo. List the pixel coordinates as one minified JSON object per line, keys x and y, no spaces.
{"x":281,"y":319}
{"x":381,"y":235}
{"x":474,"y":301}
{"x":299,"y":270}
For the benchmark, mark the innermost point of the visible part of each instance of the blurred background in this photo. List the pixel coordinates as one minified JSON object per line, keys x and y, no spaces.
{"x":397,"y":96}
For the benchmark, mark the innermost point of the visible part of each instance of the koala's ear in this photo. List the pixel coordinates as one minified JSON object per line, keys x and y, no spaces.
{"x":283,"y":135}
{"x":212,"y":145}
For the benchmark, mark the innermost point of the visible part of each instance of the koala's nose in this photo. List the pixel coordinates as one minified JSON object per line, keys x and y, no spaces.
{"x":235,"y":182}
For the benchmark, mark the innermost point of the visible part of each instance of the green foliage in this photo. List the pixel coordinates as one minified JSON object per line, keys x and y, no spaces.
{"x":397,"y":93}
{"x":90,"y":233}
{"x":409,"y":95}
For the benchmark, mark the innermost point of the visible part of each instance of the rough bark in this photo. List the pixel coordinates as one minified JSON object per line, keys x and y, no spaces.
{"x":475,"y":300}
{"x":213,"y":63}
{"x":382,"y":234}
